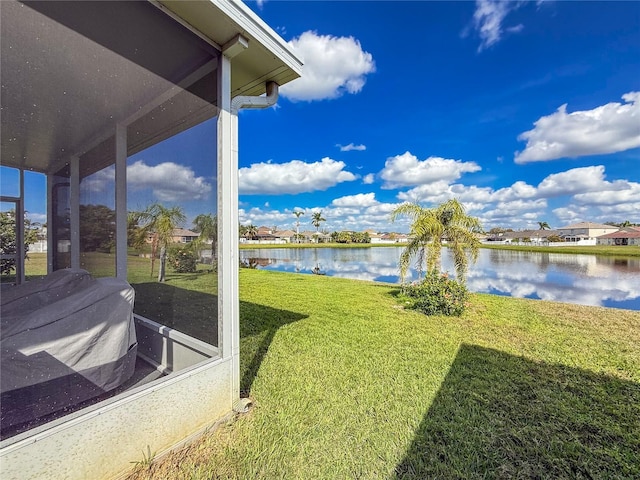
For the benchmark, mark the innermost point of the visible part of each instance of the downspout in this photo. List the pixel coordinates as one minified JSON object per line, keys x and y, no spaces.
{"x":242,"y":405}
{"x":248,"y":101}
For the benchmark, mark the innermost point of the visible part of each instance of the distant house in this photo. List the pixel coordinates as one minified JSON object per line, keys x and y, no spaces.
{"x":182,"y":235}
{"x":582,"y":231}
{"x":179,"y":235}
{"x":374,"y":236}
{"x":309,"y":236}
{"x":522,"y":236}
{"x":287,"y":236}
{"x":265,"y":235}
{"x":624,"y":236}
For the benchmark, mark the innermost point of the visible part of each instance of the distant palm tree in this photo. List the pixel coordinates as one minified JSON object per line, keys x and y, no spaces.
{"x":297,"y":214}
{"x":316,"y":219}
{"x":251,"y":231}
{"x":544,"y":226}
{"x":430,"y":227}
{"x":160,"y":222}
{"x":207,"y":226}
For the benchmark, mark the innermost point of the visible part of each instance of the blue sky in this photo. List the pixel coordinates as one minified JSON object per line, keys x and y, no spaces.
{"x":524,"y":111}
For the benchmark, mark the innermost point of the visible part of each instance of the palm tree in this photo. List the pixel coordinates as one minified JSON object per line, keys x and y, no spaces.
{"x":207,"y":226}
{"x":544,"y":226}
{"x":297,"y":214}
{"x":159,"y":222}
{"x":316,"y":219}
{"x":430,"y":227}
{"x":251,"y":231}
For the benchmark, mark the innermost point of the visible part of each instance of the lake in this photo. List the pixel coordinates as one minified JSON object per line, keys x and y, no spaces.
{"x":581,"y":279}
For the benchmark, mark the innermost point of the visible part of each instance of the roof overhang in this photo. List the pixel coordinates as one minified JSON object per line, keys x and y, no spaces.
{"x":73,"y":70}
{"x":267,"y":58}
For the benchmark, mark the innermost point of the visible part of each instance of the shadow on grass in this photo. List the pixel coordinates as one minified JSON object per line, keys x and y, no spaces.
{"x":196,"y":314}
{"x":501,"y":416}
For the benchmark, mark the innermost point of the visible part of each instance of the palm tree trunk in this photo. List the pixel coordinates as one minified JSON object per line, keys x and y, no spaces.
{"x":163,"y":262}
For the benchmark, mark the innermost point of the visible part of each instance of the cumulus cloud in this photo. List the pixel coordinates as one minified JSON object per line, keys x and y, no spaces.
{"x":488,"y":20}
{"x":359,"y":200}
{"x":578,"y":180}
{"x":406,"y":170}
{"x":368,"y":179}
{"x":292,"y":177}
{"x":609,"y":128}
{"x":618,"y":193}
{"x":351,"y":147}
{"x":332,"y":67}
{"x":169,"y":181}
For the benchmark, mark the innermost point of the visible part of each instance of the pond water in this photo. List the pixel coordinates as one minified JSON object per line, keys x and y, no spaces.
{"x":581,"y":279}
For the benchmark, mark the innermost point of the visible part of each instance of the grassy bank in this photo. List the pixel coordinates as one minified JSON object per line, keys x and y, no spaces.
{"x":626,"y":251}
{"x":616,"y":251}
{"x":347,"y":384}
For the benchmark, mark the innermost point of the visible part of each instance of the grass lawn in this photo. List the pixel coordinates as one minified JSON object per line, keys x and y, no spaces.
{"x":346,"y":384}
{"x":615,"y":251}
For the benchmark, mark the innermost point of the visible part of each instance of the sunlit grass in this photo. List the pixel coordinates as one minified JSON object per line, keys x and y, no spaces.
{"x":347,"y":384}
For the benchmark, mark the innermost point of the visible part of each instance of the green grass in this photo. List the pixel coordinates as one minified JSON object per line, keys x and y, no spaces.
{"x":621,"y":251}
{"x":347,"y":384}
{"x":607,"y":250}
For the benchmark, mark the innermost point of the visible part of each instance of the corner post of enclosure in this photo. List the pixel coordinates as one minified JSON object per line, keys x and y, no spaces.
{"x":74,"y":214}
{"x":121,"y":201}
{"x":20,"y":248}
{"x":228,"y":284}
{"x":50,"y":222}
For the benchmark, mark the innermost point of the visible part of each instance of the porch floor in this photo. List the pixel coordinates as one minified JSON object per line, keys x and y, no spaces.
{"x":144,"y":373}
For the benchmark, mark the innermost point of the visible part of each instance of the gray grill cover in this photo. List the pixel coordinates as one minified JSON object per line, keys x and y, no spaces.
{"x":68,"y":333}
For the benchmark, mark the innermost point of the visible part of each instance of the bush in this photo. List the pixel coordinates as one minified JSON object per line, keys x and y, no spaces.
{"x":182,"y":259}
{"x":437,"y":294}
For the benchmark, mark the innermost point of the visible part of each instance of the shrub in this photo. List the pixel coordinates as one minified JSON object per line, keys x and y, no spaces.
{"x":182,"y":258}
{"x":436,"y":294}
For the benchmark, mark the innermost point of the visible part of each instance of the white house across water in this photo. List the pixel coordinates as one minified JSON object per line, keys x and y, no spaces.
{"x":86,"y":86}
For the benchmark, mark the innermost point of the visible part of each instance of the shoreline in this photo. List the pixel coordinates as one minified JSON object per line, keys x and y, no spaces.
{"x":601,"y":250}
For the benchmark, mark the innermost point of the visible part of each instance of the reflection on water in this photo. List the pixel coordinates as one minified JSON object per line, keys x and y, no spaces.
{"x":582,"y":279}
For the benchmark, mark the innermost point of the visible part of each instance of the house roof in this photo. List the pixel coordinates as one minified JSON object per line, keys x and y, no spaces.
{"x":622,"y":234}
{"x":284,"y":233}
{"x":525,"y":234}
{"x":183,"y":232}
{"x":586,"y":225}
{"x":147,"y":66}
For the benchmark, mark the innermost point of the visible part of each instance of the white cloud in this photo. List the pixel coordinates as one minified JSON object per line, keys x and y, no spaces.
{"x":293,"y":177}
{"x":518,"y":190}
{"x":368,"y":179}
{"x":406,"y":170}
{"x":610,"y":128}
{"x":169,"y":181}
{"x":578,"y":180}
{"x":359,"y":200}
{"x":351,"y":147}
{"x":488,"y":21}
{"x":332,"y":66}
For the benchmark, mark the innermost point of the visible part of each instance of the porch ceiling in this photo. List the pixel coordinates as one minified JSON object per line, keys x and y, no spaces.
{"x":71,"y":71}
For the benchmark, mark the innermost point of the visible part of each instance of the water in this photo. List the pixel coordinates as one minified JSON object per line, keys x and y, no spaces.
{"x":581,"y":279}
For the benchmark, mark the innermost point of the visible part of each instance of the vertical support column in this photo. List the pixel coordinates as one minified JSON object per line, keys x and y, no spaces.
{"x":228,"y":285}
{"x":50,"y":222}
{"x":74,"y":214}
{"x":121,"y":201}
{"x":20,"y":250}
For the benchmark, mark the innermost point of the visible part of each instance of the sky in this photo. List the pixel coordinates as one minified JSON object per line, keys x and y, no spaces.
{"x":526,"y":112}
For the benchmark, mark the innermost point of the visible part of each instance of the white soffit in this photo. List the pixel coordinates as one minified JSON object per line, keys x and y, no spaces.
{"x":268,"y":58}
